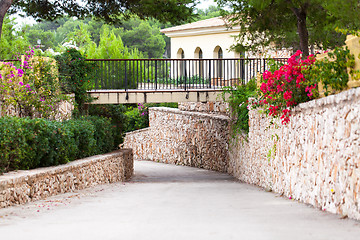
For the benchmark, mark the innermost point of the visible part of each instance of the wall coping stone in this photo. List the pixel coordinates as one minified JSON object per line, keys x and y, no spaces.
{"x":138,"y":131}
{"x":348,"y":95}
{"x":16,"y":186}
{"x":197,"y":114}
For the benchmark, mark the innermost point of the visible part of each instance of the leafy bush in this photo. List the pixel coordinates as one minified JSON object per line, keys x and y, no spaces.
{"x":104,"y":134}
{"x":30,"y":143}
{"x":332,"y":70}
{"x":32,"y":89}
{"x":136,"y":118}
{"x":76,"y":76}
{"x":116,"y":113}
{"x":238,"y":102}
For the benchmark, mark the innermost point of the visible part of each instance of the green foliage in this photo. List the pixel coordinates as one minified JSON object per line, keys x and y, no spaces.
{"x":182,"y":80}
{"x":238,"y":102}
{"x":76,"y":76}
{"x":297,"y":24}
{"x":32,"y":90}
{"x":166,"y":11}
{"x":110,"y":47}
{"x":136,"y":118}
{"x":210,"y":12}
{"x":12,"y":42}
{"x":30,"y":143}
{"x":116,"y":113}
{"x":146,"y":39}
{"x":47,"y":38}
{"x":332,"y":70}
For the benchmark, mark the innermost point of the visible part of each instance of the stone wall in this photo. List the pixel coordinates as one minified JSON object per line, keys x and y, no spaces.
{"x":314,"y":159}
{"x":185,"y":138}
{"x":209,"y":107}
{"x":24,"y":186}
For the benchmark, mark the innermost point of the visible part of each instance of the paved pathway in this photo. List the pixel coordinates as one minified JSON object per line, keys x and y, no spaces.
{"x":173,"y":202}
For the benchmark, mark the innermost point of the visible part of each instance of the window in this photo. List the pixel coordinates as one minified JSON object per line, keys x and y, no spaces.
{"x":181,"y":65}
{"x":218,"y":54}
{"x":199,"y":64}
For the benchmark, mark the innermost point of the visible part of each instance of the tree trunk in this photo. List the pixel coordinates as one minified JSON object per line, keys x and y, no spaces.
{"x":302,"y":29}
{"x":4,"y":7}
{"x":303,"y":34}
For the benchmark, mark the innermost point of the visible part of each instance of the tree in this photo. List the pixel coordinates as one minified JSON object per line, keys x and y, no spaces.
{"x":287,"y":23}
{"x":46,"y":37}
{"x":13,"y":42}
{"x":175,"y":11}
{"x":146,"y":39}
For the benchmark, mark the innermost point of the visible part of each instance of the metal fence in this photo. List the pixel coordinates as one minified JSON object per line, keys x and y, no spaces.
{"x":156,"y":74}
{"x":168,"y":74}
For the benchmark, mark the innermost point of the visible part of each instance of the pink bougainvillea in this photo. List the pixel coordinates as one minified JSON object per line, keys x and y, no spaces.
{"x":286,"y":87}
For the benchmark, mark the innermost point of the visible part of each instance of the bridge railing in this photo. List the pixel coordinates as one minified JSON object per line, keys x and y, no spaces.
{"x":158,"y":74}
{"x":168,"y":74}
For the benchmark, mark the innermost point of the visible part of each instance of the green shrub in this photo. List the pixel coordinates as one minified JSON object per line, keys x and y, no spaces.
{"x":76,"y":76}
{"x":103,"y":134}
{"x":82,"y":132}
{"x":136,"y":118}
{"x":116,"y":113}
{"x":30,"y":143}
{"x":238,"y":102}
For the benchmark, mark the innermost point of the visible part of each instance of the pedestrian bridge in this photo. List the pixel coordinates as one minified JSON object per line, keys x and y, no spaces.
{"x":170,"y":80}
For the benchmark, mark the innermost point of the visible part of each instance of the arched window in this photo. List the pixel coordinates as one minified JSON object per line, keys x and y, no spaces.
{"x":199,"y":65}
{"x":180,"y":53}
{"x":218,"y":54}
{"x":181,"y":65}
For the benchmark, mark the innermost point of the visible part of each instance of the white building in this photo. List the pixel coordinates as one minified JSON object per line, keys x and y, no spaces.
{"x":205,"y":47}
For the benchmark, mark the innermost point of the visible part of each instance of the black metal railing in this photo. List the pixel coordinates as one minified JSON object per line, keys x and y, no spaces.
{"x":158,"y":74}
{"x":168,"y":74}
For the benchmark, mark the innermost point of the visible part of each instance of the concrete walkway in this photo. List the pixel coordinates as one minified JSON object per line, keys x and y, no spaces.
{"x":173,"y":202}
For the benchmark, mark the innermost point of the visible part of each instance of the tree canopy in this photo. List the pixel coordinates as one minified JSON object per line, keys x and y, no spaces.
{"x":291,"y":23}
{"x":174,"y":11}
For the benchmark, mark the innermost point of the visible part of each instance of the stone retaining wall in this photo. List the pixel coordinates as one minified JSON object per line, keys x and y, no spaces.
{"x":24,"y":186}
{"x":210,"y":107}
{"x":185,"y":138}
{"x":314,"y":159}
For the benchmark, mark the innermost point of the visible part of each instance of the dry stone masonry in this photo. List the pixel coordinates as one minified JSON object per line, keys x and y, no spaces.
{"x":185,"y":138}
{"x":25,"y":186}
{"x":208,"y":107}
{"x":314,"y":159}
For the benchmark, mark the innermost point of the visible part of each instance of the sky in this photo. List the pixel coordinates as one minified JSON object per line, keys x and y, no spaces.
{"x":29,"y":20}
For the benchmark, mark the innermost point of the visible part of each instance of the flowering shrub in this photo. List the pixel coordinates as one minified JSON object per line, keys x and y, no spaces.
{"x":137,"y":118}
{"x":32,"y":89}
{"x":287,"y":86}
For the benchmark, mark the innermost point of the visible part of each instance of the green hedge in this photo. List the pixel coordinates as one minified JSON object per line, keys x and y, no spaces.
{"x":30,"y":143}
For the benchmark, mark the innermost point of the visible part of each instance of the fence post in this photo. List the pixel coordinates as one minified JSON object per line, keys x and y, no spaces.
{"x":155,"y":74}
{"x":209,"y":73}
{"x":126,"y":83}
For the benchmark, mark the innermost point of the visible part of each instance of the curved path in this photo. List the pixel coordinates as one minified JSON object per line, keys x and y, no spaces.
{"x":173,"y":202}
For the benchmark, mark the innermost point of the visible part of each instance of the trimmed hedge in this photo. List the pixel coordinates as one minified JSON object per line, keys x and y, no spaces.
{"x":30,"y":143}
